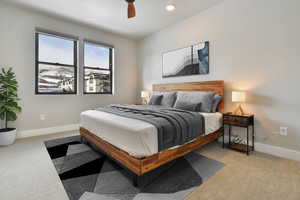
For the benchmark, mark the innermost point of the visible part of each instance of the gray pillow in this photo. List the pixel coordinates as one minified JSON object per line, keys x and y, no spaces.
{"x":168,"y":98}
{"x":216,"y":102}
{"x":206,"y":99}
{"x":155,"y":99}
{"x":188,"y":106}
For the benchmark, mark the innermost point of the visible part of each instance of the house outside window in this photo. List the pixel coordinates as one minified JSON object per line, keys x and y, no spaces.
{"x":98,"y":68}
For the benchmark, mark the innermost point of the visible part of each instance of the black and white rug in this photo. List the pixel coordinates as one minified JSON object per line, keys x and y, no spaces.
{"x":89,"y":175}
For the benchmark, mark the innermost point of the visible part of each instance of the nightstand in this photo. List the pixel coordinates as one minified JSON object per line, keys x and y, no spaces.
{"x":244,"y":121}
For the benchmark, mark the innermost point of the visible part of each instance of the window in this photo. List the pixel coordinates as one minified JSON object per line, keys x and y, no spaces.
{"x":98,"y":66}
{"x":56,"y":64}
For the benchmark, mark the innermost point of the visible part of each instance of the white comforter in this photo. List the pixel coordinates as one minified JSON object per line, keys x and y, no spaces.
{"x":136,"y":137}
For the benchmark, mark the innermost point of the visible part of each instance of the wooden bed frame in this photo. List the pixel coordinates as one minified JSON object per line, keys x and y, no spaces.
{"x":141,"y":166}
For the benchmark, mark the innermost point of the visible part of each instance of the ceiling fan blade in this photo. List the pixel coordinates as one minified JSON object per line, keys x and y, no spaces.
{"x":131,"y":10}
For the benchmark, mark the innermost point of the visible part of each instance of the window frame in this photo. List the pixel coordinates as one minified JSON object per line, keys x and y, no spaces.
{"x":37,"y":62}
{"x":110,"y":69}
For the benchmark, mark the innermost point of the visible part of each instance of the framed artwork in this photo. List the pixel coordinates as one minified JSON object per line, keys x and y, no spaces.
{"x":192,"y":60}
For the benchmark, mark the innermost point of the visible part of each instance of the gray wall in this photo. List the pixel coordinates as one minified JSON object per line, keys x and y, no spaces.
{"x":17,"y":47}
{"x":255,"y":47}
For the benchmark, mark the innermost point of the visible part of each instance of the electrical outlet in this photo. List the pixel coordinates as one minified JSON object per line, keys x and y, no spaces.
{"x":42,"y":117}
{"x":283,"y":131}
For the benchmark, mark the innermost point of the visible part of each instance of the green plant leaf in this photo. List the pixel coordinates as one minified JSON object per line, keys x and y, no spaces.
{"x":11,"y":116}
{"x":9,"y":95}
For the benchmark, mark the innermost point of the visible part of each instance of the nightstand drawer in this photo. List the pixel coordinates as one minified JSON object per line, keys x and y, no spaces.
{"x":242,"y":121}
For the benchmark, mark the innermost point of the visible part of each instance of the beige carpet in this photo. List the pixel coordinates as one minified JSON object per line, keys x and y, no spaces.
{"x":257,"y":177}
{"x":26,"y":172}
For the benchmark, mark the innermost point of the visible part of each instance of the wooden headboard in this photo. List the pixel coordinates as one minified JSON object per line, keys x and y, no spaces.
{"x":205,"y":86}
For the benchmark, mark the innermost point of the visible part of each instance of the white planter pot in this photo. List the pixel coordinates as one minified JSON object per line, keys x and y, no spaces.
{"x":8,"y":137}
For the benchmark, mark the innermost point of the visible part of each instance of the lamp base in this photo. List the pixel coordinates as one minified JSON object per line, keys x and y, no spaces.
{"x":239,"y":110}
{"x":145,"y":101}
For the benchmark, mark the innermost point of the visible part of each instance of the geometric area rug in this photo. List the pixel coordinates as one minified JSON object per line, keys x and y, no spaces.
{"x":89,"y":175}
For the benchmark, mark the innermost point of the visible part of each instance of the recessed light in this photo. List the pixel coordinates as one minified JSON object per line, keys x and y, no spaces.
{"x":170,"y":7}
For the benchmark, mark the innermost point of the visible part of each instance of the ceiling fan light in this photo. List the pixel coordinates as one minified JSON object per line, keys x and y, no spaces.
{"x":170,"y":7}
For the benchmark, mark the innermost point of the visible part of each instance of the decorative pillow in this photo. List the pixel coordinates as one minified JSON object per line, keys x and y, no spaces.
{"x":155,"y":99}
{"x":168,"y":98}
{"x":206,"y":99}
{"x":188,"y":106}
{"x":216,"y":102}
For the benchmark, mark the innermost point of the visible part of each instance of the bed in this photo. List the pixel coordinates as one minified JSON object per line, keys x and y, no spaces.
{"x":133,"y":143}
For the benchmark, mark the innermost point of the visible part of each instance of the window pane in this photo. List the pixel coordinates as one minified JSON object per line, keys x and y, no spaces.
{"x":96,"y":56}
{"x":97,"y":81}
{"x":56,"y":79}
{"x":56,"y":50}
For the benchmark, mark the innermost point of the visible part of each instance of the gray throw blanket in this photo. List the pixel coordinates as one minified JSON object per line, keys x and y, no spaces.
{"x":174,"y":126}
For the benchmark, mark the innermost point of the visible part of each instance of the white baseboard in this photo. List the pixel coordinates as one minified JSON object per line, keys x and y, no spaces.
{"x":47,"y":131}
{"x":274,"y":150}
{"x":278,"y":151}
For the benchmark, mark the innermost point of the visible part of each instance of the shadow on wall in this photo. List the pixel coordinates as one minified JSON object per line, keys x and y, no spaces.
{"x":253,"y":99}
{"x":269,"y":132}
{"x":259,"y":100}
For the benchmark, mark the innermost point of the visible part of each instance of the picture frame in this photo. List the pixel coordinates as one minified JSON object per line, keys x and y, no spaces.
{"x":187,"y":61}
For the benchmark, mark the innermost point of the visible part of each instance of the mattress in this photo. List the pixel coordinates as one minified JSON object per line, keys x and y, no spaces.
{"x":136,"y":137}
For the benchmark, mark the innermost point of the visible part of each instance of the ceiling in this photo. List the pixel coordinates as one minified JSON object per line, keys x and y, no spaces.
{"x":111,"y":15}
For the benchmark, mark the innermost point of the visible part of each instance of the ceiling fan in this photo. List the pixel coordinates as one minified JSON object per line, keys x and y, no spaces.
{"x":131,"y":8}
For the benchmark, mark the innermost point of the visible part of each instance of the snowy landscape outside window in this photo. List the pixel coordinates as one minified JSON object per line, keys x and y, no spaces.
{"x":56,"y":64}
{"x":98,"y":65}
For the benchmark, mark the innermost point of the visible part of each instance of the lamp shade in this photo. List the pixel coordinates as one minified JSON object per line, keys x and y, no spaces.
{"x":145,"y":94}
{"x":238,"y":96}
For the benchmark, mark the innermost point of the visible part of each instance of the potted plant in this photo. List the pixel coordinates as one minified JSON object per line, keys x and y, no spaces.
{"x":9,"y":107}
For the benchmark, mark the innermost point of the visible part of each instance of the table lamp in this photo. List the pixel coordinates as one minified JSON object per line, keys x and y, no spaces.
{"x":239,"y":97}
{"x":145,"y":96}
